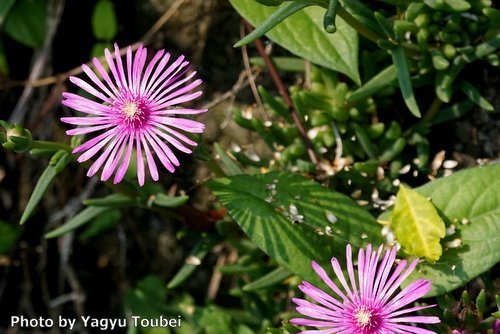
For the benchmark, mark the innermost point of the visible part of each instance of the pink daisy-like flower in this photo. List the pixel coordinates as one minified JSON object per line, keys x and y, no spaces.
{"x":137,"y":109}
{"x":369,"y":304}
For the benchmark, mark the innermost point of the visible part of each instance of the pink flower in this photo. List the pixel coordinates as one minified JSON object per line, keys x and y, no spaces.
{"x":137,"y":113}
{"x":370,"y":304}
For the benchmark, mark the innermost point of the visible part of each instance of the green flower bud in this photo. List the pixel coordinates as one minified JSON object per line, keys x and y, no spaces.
{"x":18,"y":139}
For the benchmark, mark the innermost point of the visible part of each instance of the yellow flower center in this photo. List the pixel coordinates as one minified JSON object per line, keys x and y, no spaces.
{"x":131,"y":110}
{"x":363,"y":318}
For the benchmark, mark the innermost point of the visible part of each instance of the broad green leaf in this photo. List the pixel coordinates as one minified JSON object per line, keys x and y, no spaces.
{"x":44,"y":183}
{"x":385,"y":78}
{"x":295,"y":220}
{"x":285,"y":64}
{"x":276,"y":276}
{"x":5,"y":6}
{"x":276,"y":17}
{"x":26,"y":22}
{"x":104,"y":25}
{"x":80,"y":219}
{"x":399,"y":60}
{"x":303,"y":35}
{"x":469,"y":200}
{"x":8,"y":236}
{"x":417,"y":225}
{"x":170,"y":201}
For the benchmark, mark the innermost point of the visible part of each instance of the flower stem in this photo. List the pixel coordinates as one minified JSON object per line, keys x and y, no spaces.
{"x":50,"y":145}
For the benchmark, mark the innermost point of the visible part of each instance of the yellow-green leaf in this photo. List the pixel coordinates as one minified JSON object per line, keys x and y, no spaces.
{"x":417,"y":225}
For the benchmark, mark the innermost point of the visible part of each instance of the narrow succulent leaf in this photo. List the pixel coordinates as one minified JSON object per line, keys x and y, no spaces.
{"x":44,"y":183}
{"x":166,"y":201}
{"x":230,"y":165}
{"x":399,"y":60}
{"x":113,"y":201}
{"x":80,"y":219}
{"x":385,"y":78}
{"x":417,"y":225}
{"x":272,"y":278}
{"x":475,"y":96}
{"x":194,"y":259}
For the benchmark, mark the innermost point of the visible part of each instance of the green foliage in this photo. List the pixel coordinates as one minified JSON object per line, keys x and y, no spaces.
{"x":472,"y":218}
{"x":399,"y":59}
{"x":303,"y":35}
{"x":417,"y":225}
{"x":57,"y":164}
{"x":26,"y":22}
{"x":104,"y":23}
{"x":293,"y":219}
{"x":8,"y":236}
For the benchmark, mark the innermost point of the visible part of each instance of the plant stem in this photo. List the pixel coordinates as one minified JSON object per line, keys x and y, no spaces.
{"x":284,"y":93}
{"x":50,"y":145}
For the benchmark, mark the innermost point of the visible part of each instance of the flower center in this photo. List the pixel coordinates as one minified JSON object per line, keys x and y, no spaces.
{"x":363,"y":318}
{"x":131,"y":110}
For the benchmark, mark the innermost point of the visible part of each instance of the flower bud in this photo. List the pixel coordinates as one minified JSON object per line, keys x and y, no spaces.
{"x":18,"y":139}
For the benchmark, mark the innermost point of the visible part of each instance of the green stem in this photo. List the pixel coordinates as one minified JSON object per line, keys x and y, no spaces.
{"x":349,"y":19}
{"x":50,"y":145}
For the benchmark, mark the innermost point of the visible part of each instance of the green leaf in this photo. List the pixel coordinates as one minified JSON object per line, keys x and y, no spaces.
{"x":303,"y":35}
{"x":103,"y":223}
{"x":192,"y":262}
{"x":4,"y":65}
{"x":104,"y":25}
{"x":80,"y":219}
{"x":469,"y":200}
{"x":113,"y":201}
{"x":169,"y":201}
{"x":417,"y":225}
{"x":230,"y":165}
{"x":399,"y":60}
{"x":44,"y":183}
{"x":385,"y":78}
{"x":285,"y":64}
{"x":295,"y":220}
{"x":147,"y":300}
{"x":5,"y":6}
{"x":8,"y":236}
{"x":26,"y":22}
{"x":213,"y":320}
{"x":274,"y":19}
{"x":276,"y":276}
{"x":474,"y":95}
